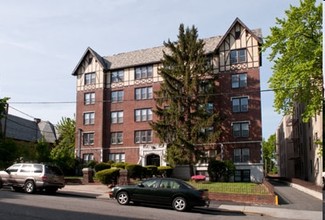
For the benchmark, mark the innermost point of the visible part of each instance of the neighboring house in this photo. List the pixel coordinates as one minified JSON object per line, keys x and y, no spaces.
{"x":115,"y":103}
{"x":20,"y":129}
{"x":298,"y":147}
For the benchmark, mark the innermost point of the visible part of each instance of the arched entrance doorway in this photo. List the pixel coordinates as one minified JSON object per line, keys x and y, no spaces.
{"x":153,"y":159}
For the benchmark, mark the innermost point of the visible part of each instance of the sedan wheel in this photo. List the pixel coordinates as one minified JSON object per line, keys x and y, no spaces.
{"x":123,"y":198}
{"x":29,"y":186}
{"x":179,"y":204}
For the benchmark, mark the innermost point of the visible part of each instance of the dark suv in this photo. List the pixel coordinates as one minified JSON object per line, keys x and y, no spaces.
{"x":32,"y":176}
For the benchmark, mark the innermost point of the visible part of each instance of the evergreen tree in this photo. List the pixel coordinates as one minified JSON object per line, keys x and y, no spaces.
{"x":185,"y":117}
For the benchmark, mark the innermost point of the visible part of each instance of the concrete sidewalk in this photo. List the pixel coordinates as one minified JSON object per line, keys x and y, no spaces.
{"x":101,"y":191}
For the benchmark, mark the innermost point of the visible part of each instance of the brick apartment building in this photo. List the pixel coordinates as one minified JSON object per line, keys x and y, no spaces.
{"x":115,"y":102}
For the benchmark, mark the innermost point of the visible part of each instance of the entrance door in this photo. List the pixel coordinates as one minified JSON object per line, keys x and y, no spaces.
{"x":153,"y":159}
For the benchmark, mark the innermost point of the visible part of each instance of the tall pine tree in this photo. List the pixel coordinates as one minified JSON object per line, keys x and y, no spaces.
{"x":186,"y":117}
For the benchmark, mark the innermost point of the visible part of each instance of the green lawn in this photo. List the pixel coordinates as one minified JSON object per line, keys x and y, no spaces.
{"x":232,"y":188}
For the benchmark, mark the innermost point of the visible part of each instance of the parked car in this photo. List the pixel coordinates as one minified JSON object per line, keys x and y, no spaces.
{"x":32,"y":176}
{"x":162,"y":191}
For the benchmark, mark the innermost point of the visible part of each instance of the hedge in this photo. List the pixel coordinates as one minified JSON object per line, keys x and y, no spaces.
{"x":134,"y":170}
{"x":108,"y":176}
{"x":102,"y":166}
{"x":165,"y":171}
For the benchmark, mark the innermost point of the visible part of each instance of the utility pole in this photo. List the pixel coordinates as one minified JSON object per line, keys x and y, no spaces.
{"x":5,"y":123}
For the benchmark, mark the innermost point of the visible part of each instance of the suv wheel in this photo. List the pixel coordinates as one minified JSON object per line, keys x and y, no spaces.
{"x":29,"y":186}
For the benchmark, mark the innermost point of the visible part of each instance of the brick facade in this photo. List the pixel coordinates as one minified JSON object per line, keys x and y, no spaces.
{"x":126,"y":139}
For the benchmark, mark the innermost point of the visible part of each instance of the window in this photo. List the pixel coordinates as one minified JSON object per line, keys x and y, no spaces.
{"x":207,"y":131}
{"x":26,"y":168}
{"x":117,"y":117}
{"x":89,"y":98}
{"x":240,"y":129}
{"x":143,"y":114}
{"x":89,"y":118}
{"x":240,"y":104}
{"x":237,"y":35}
{"x":87,"y":157}
{"x":143,"y":93}
{"x":117,"y":76}
{"x":239,"y":80}
{"x":117,"y":96}
{"x":209,"y":107}
{"x":117,"y":157}
{"x":88,"y":138}
{"x":206,"y":87}
{"x":143,"y":72}
{"x":117,"y":137}
{"x":242,"y":176}
{"x":241,"y":155}
{"x":237,"y":56}
{"x":90,"y":78}
{"x":143,"y":136}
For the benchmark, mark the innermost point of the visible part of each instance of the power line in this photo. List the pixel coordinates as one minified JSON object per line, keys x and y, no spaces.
{"x":129,"y":100}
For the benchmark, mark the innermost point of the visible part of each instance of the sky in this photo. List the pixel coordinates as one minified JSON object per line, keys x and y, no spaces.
{"x":42,"y":41}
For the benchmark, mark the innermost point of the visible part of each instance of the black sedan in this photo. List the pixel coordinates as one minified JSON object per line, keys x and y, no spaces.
{"x":162,"y":191}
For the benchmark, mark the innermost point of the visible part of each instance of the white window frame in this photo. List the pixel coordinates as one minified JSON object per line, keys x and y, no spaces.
{"x":239,"y":80}
{"x":90,"y":78}
{"x":117,"y":117}
{"x":144,"y":114}
{"x":239,"y":104}
{"x":117,"y":96}
{"x":143,"y":93}
{"x":89,"y":98}
{"x":117,"y":76}
{"x":143,"y":72}
{"x":88,"y":138}
{"x":89,"y":118}
{"x":240,"y":129}
{"x":117,"y":137}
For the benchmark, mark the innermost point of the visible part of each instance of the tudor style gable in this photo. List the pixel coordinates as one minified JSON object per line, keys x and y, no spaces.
{"x":90,"y":71}
{"x":239,"y":49}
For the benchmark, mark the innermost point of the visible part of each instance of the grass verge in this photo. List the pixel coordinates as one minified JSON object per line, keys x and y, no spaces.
{"x":232,"y":188}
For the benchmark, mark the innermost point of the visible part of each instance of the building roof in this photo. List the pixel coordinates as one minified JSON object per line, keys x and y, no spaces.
{"x":26,"y":130}
{"x":155,"y":54}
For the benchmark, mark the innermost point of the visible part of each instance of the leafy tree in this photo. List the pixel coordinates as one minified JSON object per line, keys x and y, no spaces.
{"x":296,"y":49}
{"x":8,"y":152}
{"x":269,"y":153}
{"x":63,"y":152}
{"x":42,"y":151}
{"x":183,"y":99}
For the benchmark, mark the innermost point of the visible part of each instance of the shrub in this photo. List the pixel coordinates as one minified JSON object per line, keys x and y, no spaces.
{"x":134,"y":170}
{"x":119,"y":165}
{"x":108,"y":176}
{"x":165,"y":171}
{"x":151,"y":170}
{"x":91,"y":164}
{"x":102,"y":166}
{"x":220,"y":170}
